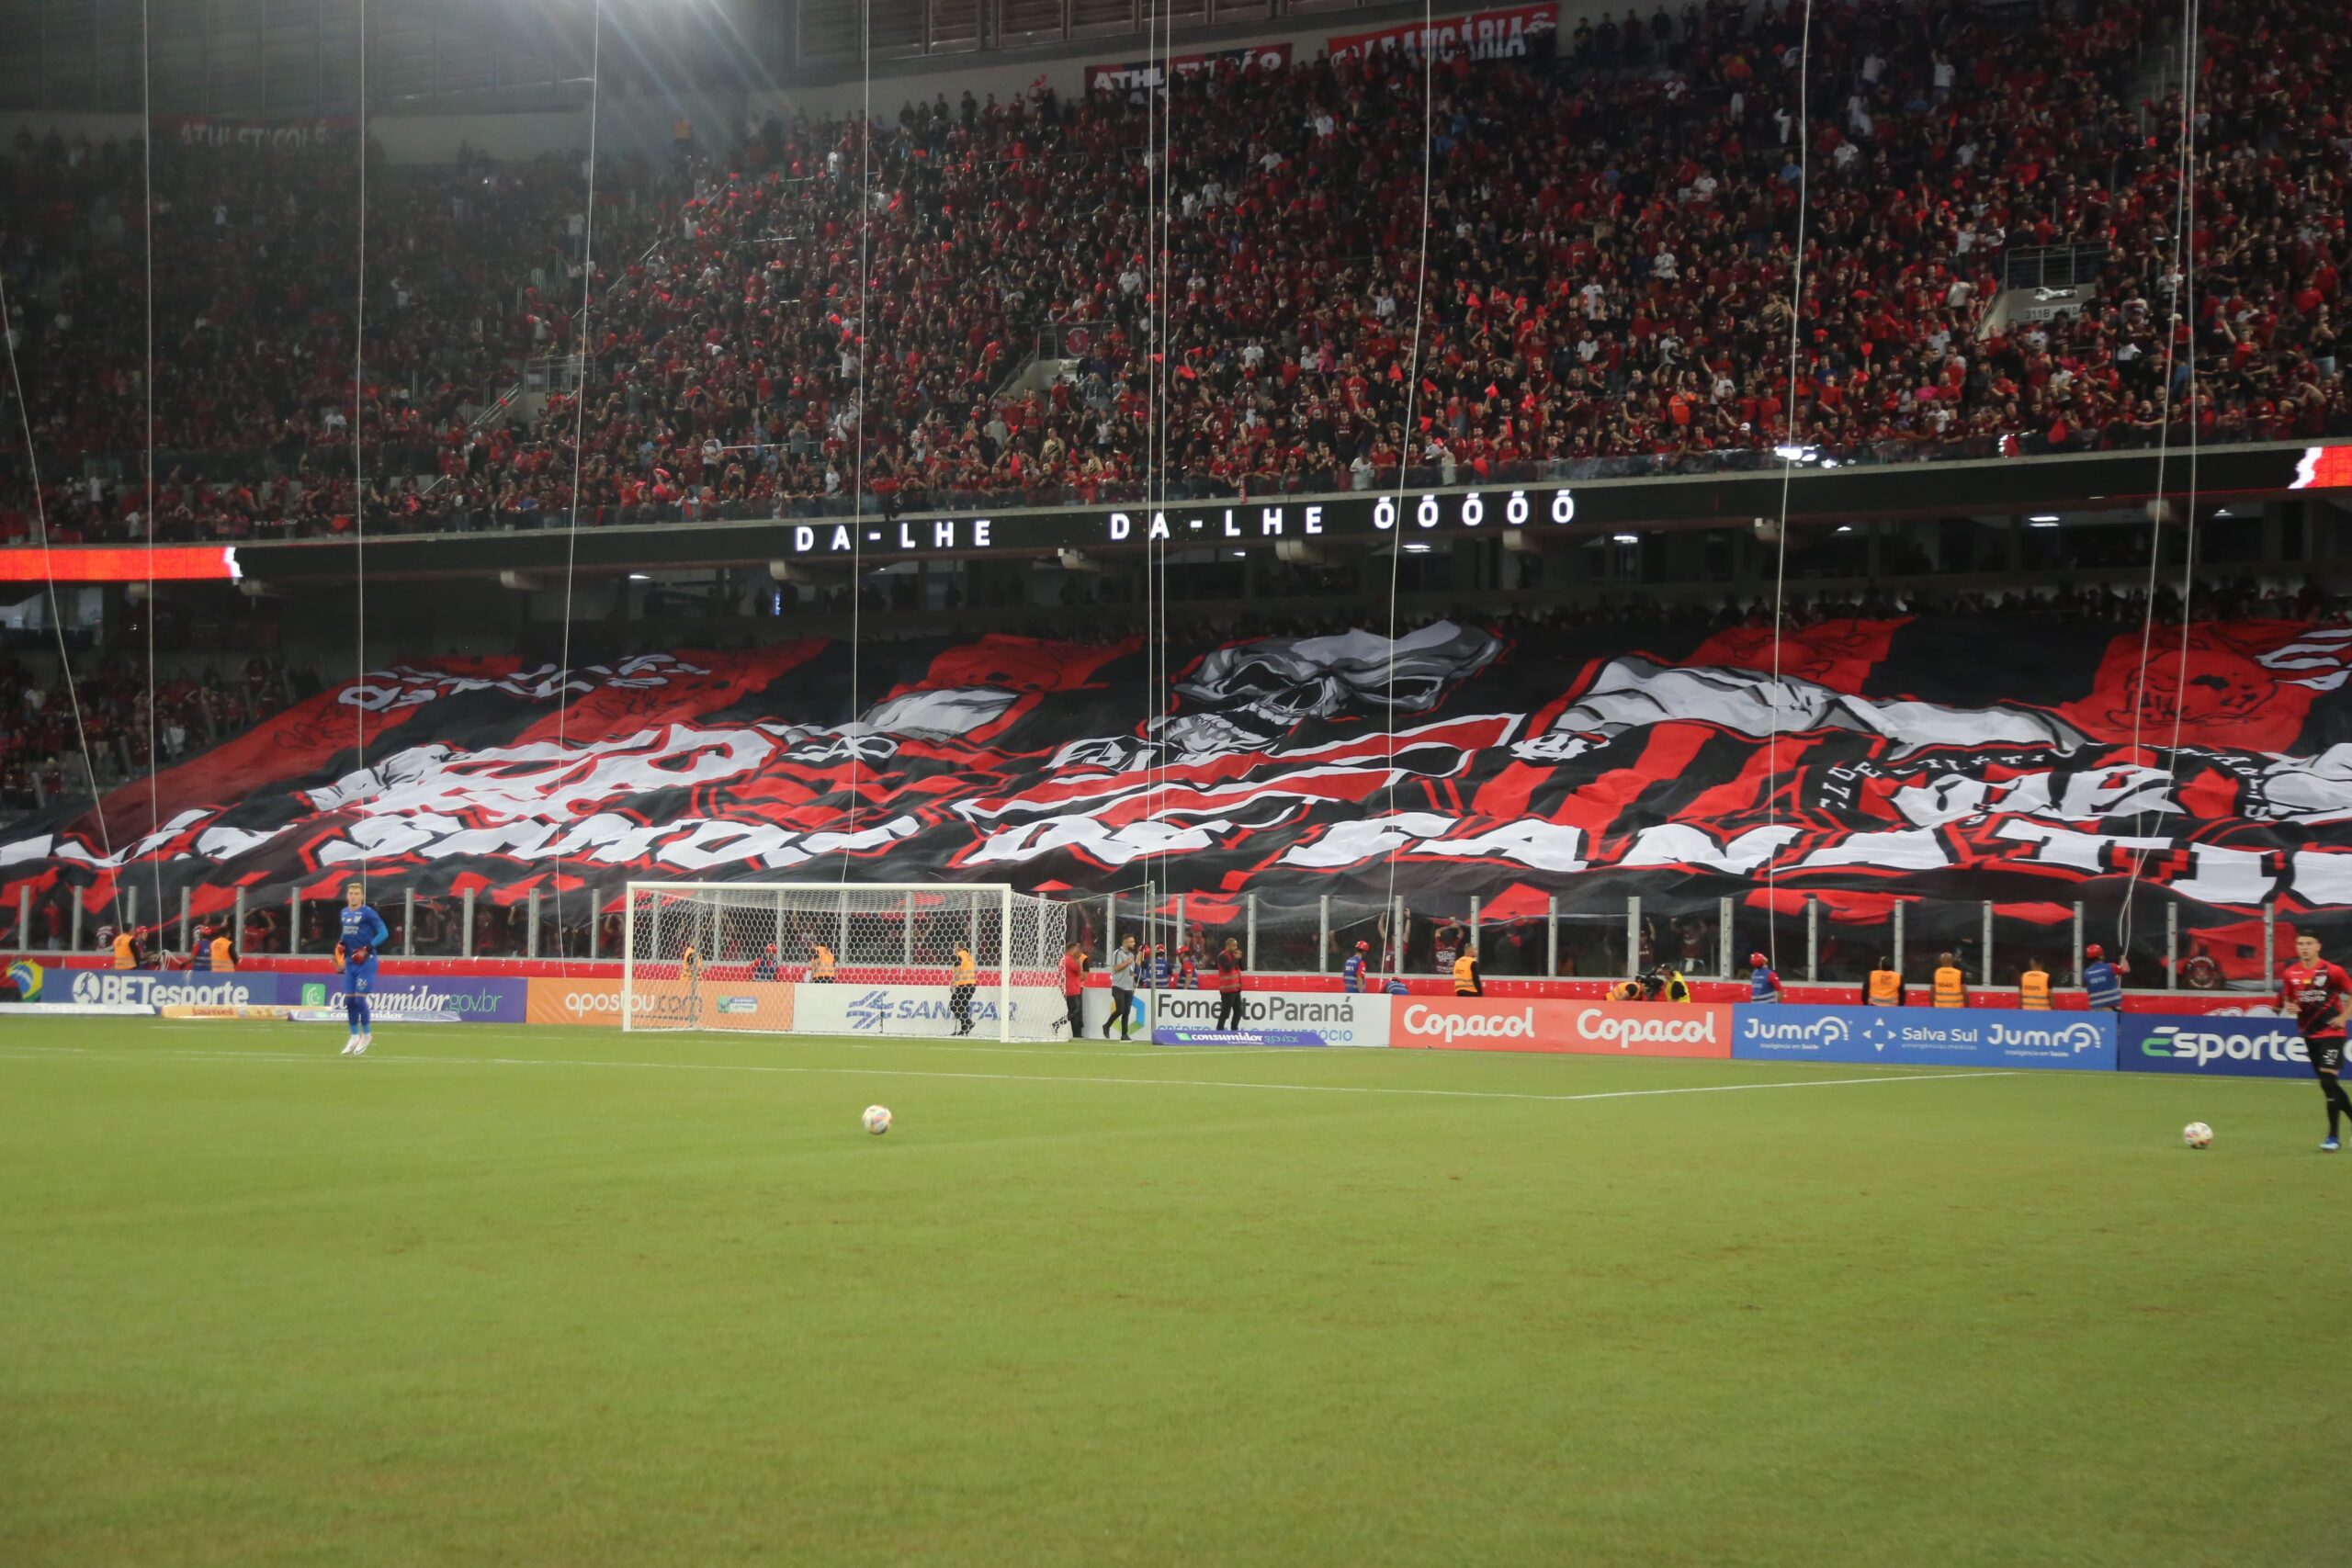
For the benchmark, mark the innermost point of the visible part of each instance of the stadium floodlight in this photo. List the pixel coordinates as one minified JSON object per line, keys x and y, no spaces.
{"x":2043,"y":517}
{"x":874,"y":959}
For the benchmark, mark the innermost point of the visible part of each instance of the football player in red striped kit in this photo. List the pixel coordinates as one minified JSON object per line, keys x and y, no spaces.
{"x":2319,"y":995}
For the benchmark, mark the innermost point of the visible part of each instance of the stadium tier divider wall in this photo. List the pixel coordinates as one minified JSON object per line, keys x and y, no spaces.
{"x":827,"y":958}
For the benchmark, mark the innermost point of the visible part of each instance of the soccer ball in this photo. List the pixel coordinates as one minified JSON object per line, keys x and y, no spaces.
{"x":878,"y":1119}
{"x":2196,"y":1136}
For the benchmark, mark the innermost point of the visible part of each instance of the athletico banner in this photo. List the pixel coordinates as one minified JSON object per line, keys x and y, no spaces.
{"x":1950,"y":1037}
{"x":1933,"y":758}
{"x":1145,"y":73}
{"x":218,"y":130}
{"x":2210,"y":1046}
{"x":1590,"y":1028}
{"x":1511,"y":33}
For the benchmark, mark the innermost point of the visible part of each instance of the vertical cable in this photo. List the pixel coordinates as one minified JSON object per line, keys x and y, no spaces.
{"x":1159,"y":323}
{"x":49,"y":580}
{"x":1154,"y":729}
{"x":147,"y":214}
{"x":359,"y":460}
{"x":1412,"y":415}
{"x":855,"y":731}
{"x":579,"y":434}
{"x":2184,"y":268}
{"x":1789,"y":450}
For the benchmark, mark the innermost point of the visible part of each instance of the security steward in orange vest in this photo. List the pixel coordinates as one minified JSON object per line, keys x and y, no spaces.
{"x":959,"y":992}
{"x":1950,"y":985}
{"x":1884,"y":987}
{"x":1465,"y":976}
{"x":2033,"y":987}
{"x":821,"y":971}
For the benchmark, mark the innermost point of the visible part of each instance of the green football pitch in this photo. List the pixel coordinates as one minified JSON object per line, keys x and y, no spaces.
{"x":567,"y":1296}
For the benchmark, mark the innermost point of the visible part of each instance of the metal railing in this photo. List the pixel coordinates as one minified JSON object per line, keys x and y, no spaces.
{"x":2052,"y":267}
{"x":2175,"y":944}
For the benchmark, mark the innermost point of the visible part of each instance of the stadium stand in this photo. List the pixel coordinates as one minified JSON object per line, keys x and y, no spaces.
{"x":1609,"y":267}
{"x":40,"y":752}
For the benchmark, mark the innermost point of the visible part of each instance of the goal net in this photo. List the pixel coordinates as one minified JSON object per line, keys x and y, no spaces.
{"x":822,"y":958}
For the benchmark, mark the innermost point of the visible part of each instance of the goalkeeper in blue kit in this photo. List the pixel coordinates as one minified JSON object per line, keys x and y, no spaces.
{"x":356,"y":946}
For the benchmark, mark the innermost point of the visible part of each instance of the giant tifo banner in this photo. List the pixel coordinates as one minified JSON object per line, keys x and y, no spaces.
{"x":1937,"y":758}
{"x":1138,"y":74}
{"x":1509,"y":33}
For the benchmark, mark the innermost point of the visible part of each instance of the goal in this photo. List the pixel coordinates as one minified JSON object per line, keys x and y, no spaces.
{"x":827,"y":958}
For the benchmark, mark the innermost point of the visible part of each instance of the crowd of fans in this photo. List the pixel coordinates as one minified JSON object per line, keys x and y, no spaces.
{"x":42,"y":746}
{"x":1611,"y":251}
{"x":254,"y":296}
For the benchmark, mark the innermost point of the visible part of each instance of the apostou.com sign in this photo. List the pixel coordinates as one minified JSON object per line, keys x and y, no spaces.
{"x":1591,"y":1029}
{"x":598,"y":1001}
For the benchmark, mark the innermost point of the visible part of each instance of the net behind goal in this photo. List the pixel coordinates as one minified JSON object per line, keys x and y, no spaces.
{"x":823,"y":958}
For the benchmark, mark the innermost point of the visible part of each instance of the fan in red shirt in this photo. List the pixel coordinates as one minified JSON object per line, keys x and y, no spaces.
{"x":2320,"y":996}
{"x":1074,"y":989}
{"x":1228,"y":987}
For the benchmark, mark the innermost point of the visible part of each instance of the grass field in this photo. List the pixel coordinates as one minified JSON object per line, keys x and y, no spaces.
{"x":566,"y":1297}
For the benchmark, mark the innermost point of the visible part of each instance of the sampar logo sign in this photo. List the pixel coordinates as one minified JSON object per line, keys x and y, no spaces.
{"x":1612,"y":1029}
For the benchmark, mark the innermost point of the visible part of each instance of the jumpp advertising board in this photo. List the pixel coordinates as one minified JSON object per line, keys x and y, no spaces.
{"x":1926,"y":1037}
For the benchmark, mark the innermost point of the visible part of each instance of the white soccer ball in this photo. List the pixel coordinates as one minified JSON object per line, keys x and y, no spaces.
{"x":2196,"y":1136}
{"x":878,"y":1119}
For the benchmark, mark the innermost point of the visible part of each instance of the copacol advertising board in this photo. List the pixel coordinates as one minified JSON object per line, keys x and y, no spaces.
{"x":1588,"y":1028}
{"x":1273,"y":1018}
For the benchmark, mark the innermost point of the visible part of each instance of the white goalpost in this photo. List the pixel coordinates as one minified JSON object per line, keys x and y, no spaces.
{"x":904,"y":959}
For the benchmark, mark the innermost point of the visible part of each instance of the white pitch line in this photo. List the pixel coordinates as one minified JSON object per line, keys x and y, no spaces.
{"x":1138,"y":1051}
{"x":995,"y":1077}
